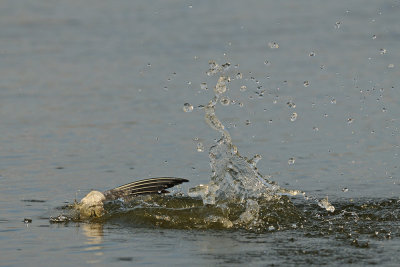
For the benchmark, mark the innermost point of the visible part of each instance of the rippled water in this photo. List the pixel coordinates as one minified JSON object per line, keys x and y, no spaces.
{"x":98,"y":94}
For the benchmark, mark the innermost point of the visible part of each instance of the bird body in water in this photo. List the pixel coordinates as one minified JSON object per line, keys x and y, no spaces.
{"x":92,"y":205}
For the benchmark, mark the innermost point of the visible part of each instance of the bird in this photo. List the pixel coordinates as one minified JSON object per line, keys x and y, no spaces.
{"x":92,"y":205}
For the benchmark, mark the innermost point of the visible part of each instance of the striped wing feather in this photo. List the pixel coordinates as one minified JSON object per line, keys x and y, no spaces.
{"x":143,"y":187}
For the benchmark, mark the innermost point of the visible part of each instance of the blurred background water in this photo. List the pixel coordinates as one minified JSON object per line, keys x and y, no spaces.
{"x":92,"y":96}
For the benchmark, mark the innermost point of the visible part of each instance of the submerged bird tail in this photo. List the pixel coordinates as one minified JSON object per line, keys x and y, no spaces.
{"x":144,"y":187}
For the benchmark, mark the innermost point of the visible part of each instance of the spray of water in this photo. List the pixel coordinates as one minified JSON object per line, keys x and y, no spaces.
{"x":236,"y":178}
{"x":238,"y":196}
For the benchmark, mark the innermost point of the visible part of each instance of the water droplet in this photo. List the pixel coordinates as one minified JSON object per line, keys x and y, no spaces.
{"x":187,"y":107}
{"x":382,"y":51}
{"x":383,"y":109}
{"x":315,"y":129}
{"x":306,"y":83}
{"x":148,"y":64}
{"x":260,"y":94}
{"x":324,"y":203}
{"x":189,"y":83}
{"x":200,"y":147}
{"x":373,"y":37}
{"x":273,"y":45}
{"x":312,"y":53}
{"x":326,"y":115}
{"x":291,"y":161}
{"x":225,"y":101}
{"x":247,"y":122}
{"x":226,"y":66}
{"x":214,"y":68}
{"x":220,"y":87}
{"x":241,"y":104}
{"x":293,"y":117}
{"x":390,"y":66}
{"x":291,"y":104}
{"x":345,"y":189}
{"x":350,"y":120}
{"x":270,"y":121}
{"x":333,"y":101}
{"x":267,"y":63}
{"x":212,"y":64}
{"x":338,"y":24}
{"x":239,"y":76}
{"x":243,"y":88}
{"x":203,"y":86}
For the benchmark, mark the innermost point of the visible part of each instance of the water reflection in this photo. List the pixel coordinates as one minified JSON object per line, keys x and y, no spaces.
{"x":94,"y":240}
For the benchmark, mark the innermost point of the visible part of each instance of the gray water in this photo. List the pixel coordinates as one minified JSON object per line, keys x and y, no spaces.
{"x":92,"y":96}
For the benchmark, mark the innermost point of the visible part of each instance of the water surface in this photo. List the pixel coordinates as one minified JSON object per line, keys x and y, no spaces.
{"x":92,"y":97}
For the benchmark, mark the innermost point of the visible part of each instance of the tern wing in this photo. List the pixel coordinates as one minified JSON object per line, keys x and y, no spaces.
{"x":144,"y":187}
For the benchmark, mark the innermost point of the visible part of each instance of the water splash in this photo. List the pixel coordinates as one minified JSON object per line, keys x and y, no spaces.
{"x":236,"y":178}
{"x":238,"y":196}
